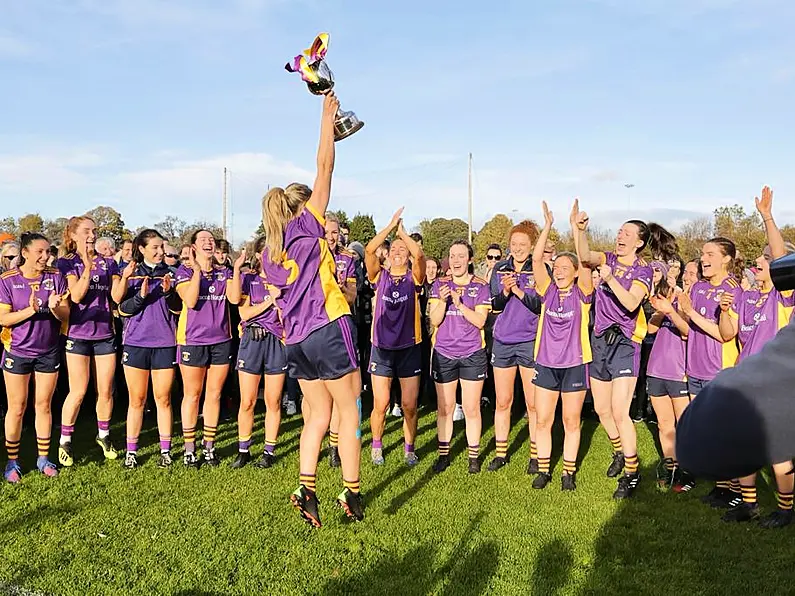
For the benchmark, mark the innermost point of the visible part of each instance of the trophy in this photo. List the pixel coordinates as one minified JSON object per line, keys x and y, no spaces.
{"x":318,"y":77}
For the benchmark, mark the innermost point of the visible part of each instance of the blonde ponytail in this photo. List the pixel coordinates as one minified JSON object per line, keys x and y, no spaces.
{"x":279,"y":206}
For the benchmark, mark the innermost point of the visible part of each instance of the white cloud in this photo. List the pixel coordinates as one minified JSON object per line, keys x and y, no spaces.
{"x":14,"y":48}
{"x":45,"y":172}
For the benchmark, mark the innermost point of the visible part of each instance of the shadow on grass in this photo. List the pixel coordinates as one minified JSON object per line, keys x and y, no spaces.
{"x":31,"y":521}
{"x":467,"y":569}
{"x":553,"y":568}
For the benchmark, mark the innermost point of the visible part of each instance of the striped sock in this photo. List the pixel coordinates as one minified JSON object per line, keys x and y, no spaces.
{"x":569,"y":467}
{"x":723,"y":484}
{"x":333,"y":439}
{"x":377,"y":444}
{"x":189,"y":438}
{"x":543,"y":465}
{"x":784,"y":500}
{"x":631,"y":464}
{"x":502,"y":448}
{"x":533,"y":450}
{"x":351,"y":485}
{"x":270,"y":446}
{"x":43,"y":445}
{"x":734,"y":486}
{"x":209,"y":436}
{"x":132,"y":444}
{"x":616,"y":443}
{"x":12,"y":449}
{"x":165,"y":443}
{"x":408,"y":447}
{"x":749,"y":494}
{"x":309,"y":481}
{"x":243,"y":443}
{"x":67,"y":430}
{"x":103,"y":428}
{"x":473,"y":450}
{"x":444,"y":447}
{"x":670,"y":464}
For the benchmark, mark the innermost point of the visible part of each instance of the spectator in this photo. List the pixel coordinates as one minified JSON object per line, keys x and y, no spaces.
{"x":124,"y":256}
{"x":8,"y":254}
{"x":171,"y":257}
{"x":105,"y":247}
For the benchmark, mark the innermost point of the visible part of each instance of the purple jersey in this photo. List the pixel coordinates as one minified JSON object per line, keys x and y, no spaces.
{"x":257,"y":288}
{"x":92,"y":317}
{"x":456,"y":337}
{"x":37,"y":335}
{"x":396,"y":315}
{"x":516,"y":323}
{"x":609,"y":311}
{"x":563,"y":339}
{"x":667,"y":356}
{"x":706,"y":356}
{"x":311,"y":296}
{"x":345,"y":265}
{"x":154,"y":325}
{"x":207,"y":323}
{"x":759,"y":317}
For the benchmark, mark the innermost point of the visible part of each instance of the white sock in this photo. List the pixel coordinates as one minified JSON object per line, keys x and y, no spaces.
{"x":103,"y":433}
{"x":65,"y":439}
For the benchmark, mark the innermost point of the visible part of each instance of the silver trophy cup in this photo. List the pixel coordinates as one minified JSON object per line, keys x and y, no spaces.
{"x":346,"y":123}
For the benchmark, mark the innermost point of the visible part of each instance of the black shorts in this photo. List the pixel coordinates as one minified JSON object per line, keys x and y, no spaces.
{"x":694,"y":386}
{"x":622,"y":359}
{"x":657,"y":387}
{"x":204,"y":356}
{"x":512,"y":355}
{"x":472,"y":368}
{"x":325,"y":354}
{"x":403,"y":364}
{"x":565,"y":380}
{"x":149,"y":358}
{"x":90,"y":347}
{"x":267,"y":356}
{"x":20,"y":365}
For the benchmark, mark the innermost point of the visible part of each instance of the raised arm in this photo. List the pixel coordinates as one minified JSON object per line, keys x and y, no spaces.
{"x":321,"y":191}
{"x":417,"y":256}
{"x":539,"y":267}
{"x":78,"y":286}
{"x":591,"y":258}
{"x":371,"y":262}
{"x":774,"y":238}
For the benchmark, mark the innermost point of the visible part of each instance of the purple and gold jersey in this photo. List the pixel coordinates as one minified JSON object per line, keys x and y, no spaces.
{"x":516,"y":323}
{"x":311,"y":297}
{"x":257,"y":288}
{"x":667,"y":356}
{"x":706,"y":356}
{"x":92,"y":317}
{"x":396,"y":315}
{"x":759,"y":317}
{"x":154,"y":325}
{"x":39,"y":334}
{"x":456,"y":337}
{"x":609,"y":311}
{"x":207,"y":323}
{"x":563,"y":339}
{"x":345,"y":265}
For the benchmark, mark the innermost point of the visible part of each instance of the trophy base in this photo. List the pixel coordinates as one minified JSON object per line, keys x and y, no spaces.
{"x":345,"y":125}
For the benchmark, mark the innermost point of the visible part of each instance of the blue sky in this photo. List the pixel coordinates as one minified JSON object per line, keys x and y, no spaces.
{"x":140,"y":104}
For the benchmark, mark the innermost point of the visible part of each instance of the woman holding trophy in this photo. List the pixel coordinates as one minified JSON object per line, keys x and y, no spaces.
{"x":317,"y":321}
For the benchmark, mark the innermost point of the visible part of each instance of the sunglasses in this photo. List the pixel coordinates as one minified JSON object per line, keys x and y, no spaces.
{"x":10,"y":257}
{"x":492,"y":257}
{"x":172,"y":255}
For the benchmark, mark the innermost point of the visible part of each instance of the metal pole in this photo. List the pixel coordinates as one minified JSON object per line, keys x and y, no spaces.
{"x":469,"y":188}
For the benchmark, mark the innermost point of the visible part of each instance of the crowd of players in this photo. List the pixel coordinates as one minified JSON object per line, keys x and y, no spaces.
{"x":341,"y":320}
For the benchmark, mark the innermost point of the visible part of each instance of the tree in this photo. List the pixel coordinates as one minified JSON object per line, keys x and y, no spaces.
{"x":692,"y":236}
{"x":260,"y":231}
{"x":32,"y":222}
{"x":439,"y":233}
{"x":171,"y":227}
{"x":109,"y":223}
{"x":600,"y":239}
{"x":343,"y":217}
{"x":788,"y":232}
{"x":362,"y":228}
{"x":744,"y":230}
{"x":494,"y":231}
{"x":8,"y":225}
{"x":54,"y":229}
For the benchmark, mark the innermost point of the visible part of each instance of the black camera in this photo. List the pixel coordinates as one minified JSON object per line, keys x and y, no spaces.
{"x":782,"y":272}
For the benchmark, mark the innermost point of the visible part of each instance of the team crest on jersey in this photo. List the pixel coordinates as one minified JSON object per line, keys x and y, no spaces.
{"x":48,"y":285}
{"x":211,"y":289}
{"x":340,"y":266}
{"x":95,"y":278}
{"x":220,"y":276}
{"x":70,"y":345}
{"x":103,"y":265}
{"x":9,"y":363}
{"x":472,"y":292}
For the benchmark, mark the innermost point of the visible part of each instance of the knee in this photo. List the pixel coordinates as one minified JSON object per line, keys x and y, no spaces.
{"x":571,"y":424}
{"x":442,"y":409}
{"x":43,"y":406}
{"x":471,"y":411}
{"x":163,"y":401}
{"x":409,"y":408}
{"x":544,"y":423}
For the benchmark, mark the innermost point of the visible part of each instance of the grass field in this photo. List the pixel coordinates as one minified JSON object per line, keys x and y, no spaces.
{"x":98,"y":529}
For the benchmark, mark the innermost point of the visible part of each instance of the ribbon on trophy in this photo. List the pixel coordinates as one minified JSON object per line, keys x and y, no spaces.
{"x":315,"y":53}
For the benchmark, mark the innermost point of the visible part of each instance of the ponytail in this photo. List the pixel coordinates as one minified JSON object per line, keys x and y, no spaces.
{"x":256,"y":262}
{"x":662,"y":244}
{"x":279,"y":206}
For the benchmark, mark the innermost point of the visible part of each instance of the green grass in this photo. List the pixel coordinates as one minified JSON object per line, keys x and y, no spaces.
{"x":98,"y":529}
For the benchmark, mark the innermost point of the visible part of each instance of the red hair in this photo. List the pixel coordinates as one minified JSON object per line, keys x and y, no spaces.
{"x":527,"y":227}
